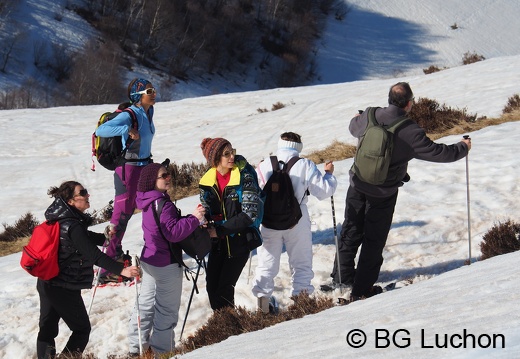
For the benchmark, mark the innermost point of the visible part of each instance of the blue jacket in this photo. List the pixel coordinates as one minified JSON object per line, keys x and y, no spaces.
{"x":121,"y":124}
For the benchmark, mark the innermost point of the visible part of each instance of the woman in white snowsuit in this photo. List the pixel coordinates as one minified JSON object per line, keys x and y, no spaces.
{"x":305,"y":178}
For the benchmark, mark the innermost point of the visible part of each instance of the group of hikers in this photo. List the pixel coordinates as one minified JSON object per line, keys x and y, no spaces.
{"x":230,"y":210}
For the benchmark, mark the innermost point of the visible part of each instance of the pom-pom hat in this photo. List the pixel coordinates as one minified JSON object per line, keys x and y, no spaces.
{"x":211,"y":148}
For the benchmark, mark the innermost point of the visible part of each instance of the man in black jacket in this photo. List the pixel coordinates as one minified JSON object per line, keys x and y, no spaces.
{"x":369,"y":208}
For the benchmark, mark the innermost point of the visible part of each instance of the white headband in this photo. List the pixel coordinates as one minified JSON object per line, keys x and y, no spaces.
{"x":290,"y":144}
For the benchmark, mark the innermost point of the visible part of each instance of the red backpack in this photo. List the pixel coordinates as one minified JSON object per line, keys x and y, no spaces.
{"x":40,"y":255}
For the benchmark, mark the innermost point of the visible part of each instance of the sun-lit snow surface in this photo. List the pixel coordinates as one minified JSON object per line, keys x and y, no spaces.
{"x":428,"y":242}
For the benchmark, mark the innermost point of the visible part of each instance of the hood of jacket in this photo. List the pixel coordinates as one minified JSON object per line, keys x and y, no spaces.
{"x":59,"y":210}
{"x":144,"y":199}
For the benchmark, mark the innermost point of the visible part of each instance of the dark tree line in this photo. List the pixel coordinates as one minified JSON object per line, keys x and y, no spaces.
{"x":186,"y":38}
{"x":183,"y":39}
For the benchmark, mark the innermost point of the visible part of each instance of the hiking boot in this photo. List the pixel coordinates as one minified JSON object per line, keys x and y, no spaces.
{"x":354,"y":298}
{"x":351,"y":298}
{"x":375,"y":290}
{"x":273,"y":305}
{"x":333,"y":285}
{"x":263,"y":304}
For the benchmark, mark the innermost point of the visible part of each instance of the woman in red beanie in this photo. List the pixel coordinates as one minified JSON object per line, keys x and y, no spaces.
{"x":232,"y":199}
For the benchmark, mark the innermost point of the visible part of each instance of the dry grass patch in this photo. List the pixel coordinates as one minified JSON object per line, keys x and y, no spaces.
{"x":336,"y":151}
{"x":11,"y":247}
{"x":227,"y":322}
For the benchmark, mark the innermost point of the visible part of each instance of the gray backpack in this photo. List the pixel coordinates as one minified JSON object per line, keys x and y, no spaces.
{"x":374,"y":150}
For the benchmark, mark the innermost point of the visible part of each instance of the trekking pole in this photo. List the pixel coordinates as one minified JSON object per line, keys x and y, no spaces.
{"x":96,"y":282}
{"x":249,"y":270}
{"x":138,"y":315}
{"x":338,"y":267}
{"x":191,"y":296}
{"x":467,"y":197}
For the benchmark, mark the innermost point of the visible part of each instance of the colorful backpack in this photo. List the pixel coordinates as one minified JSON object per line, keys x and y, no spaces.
{"x":109,"y":151}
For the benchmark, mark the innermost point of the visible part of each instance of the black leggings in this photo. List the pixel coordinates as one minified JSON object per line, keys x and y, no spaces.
{"x":59,"y":303}
{"x":221,"y":277}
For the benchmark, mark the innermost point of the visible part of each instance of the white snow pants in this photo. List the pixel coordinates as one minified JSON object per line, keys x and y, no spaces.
{"x":159,"y":302}
{"x":298,"y":243}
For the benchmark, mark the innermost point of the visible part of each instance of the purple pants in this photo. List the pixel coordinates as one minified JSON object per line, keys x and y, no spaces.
{"x":124,"y":205}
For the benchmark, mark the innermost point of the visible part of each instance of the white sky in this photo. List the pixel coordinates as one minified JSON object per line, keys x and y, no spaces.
{"x":428,"y":242}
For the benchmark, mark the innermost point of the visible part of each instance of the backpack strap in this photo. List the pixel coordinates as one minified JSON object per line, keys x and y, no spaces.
{"x":274,"y":163}
{"x":157,"y":215}
{"x":135,"y":125}
{"x":372,"y":116}
{"x":287,"y":167}
{"x":391,"y":127}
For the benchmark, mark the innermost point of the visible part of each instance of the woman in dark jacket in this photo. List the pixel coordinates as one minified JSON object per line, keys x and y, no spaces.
{"x":230,"y":194}
{"x":60,"y":297}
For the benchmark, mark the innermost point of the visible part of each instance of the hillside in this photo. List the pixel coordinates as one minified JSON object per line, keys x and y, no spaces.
{"x":377,"y":39}
{"x":428,"y":238}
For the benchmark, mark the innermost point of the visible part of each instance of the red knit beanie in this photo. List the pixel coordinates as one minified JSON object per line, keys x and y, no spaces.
{"x":148,"y":177}
{"x":211,"y":148}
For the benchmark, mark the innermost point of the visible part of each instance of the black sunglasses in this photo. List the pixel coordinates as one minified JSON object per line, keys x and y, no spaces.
{"x":82,"y":193}
{"x":165,"y":175}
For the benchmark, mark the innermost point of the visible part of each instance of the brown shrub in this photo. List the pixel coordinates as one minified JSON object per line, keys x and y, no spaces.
{"x":23,"y":227}
{"x":234,"y":321}
{"x":277,"y":106}
{"x":502,"y":238}
{"x":513,"y":104}
{"x":104,"y":214}
{"x":431,"y":70}
{"x":469,"y":58}
{"x":434,"y":118}
{"x":185,"y":179}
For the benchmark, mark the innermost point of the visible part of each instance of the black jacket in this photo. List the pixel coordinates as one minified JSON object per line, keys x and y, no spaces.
{"x":78,"y":251}
{"x":235,"y":213}
{"x":410,"y":141}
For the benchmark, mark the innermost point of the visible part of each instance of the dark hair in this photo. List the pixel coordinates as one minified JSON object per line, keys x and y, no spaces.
{"x":65,"y":191}
{"x":291,"y":136}
{"x":400,"y":94}
{"x":220,"y":153}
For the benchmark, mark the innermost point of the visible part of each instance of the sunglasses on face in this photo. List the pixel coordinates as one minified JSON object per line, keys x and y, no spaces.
{"x":148,"y":91}
{"x":228,"y":153}
{"x":164,"y":176}
{"x":82,"y":193}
